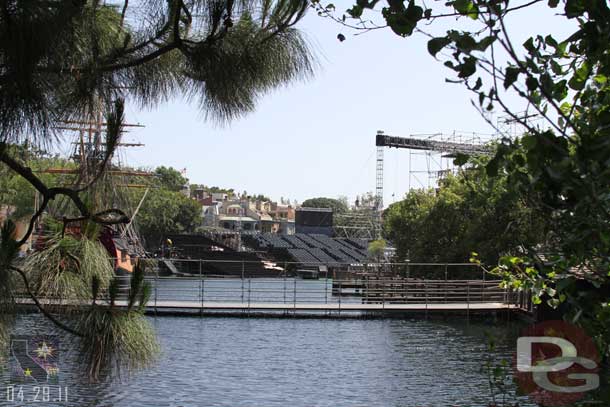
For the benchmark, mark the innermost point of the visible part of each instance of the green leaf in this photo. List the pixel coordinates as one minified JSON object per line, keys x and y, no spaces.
{"x":366,"y":3}
{"x":466,"y":7}
{"x":486,"y":42}
{"x":556,"y":68}
{"x":467,"y":68}
{"x":529,"y":45}
{"x":575,"y":8}
{"x":437,"y":44}
{"x":578,"y":80}
{"x":546,"y":83}
{"x":601,"y":79}
{"x":478,"y":84}
{"x":510,"y":76}
{"x":529,"y":141}
{"x":355,"y":11}
{"x":564,"y":283}
{"x":560,"y":90}
{"x":531,"y":83}
{"x":460,"y":159}
{"x":466,"y":43}
{"x":550,"y":41}
{"x":403,"y":21}
{"x":492,"y":167}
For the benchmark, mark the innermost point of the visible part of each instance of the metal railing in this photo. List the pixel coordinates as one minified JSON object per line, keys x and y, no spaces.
{"x":386,"y":283}
{"x":375,"y":286}
{"x":248,"y":268}
{"x":324,"y":291}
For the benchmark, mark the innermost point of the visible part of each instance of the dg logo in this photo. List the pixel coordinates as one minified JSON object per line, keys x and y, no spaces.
{"x":556,"y":363}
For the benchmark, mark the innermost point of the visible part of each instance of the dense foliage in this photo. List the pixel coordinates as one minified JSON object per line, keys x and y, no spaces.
{"x":164,"y":211}
{"x":560,"y":167}
{"x":376,"y":250}
{"x":17,"y":195}
{"x":170,"y":179}
{"x":336,"y":205}
{"x":469,"y":212}
{"x":78,"y":61}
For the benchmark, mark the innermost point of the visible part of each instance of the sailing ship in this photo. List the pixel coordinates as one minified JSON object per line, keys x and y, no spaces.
{"x":109,"y":182}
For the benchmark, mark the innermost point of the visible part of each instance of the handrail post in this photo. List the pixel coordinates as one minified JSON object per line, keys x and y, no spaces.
{"x":326,"y":288}
{"x":202,"y":293}
{"x":294,"y":295}
{"x":242,"y":281}
{"x":285,"y":286}
{"x":340,"y":296}
{"x":468,"y":301}
{"x":156,"y":288}
{"x":249,"y":292}
{"x":383,"y":284}
{"x":200,"y":284}
{"x":446,"y":282}
{"x":426,"y":295}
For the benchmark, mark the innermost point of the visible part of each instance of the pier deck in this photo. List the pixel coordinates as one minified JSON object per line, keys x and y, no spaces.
{"x":293,"y":296}
{"x":263,"y":306}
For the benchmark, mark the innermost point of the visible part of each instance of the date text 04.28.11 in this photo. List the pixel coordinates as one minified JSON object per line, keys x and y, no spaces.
{"x":36,"y":394}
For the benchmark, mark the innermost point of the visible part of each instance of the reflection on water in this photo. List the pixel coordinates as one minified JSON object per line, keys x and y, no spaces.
{"x":297,"y":362}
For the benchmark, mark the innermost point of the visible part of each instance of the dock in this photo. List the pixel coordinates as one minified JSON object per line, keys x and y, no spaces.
{"x":294,"y":296}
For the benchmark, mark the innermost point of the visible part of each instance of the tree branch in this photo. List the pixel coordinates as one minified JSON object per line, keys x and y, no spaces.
{"x":49,"y":194}
{"x":46,"y":313}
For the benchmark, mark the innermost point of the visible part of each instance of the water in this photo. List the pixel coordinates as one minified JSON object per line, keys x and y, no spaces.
{"x":235,"y":362}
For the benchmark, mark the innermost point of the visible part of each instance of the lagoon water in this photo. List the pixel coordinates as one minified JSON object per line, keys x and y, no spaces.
{"x":266,"y":362}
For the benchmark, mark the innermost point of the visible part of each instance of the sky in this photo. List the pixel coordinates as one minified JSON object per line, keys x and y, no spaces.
{"x":317,"y":138}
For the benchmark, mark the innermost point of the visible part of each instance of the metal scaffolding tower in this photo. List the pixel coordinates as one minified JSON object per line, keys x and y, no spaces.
{"x":438,"y":150}
{"x":378,"y":189}
{"x":379,"y":176}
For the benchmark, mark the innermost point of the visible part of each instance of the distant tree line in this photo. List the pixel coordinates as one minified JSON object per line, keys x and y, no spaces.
{"x":164,"y":209}
{"x":468,"y":212}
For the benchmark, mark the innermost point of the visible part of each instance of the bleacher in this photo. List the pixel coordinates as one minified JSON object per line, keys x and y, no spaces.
{"x":361,"y":244}
{"x":303,"y":248}
{"x":276,"y":241}
{"x":323,"y":256}
{"x":336,"y":249}
{"x":311,"y":242}
{"x":303,"y":256}
{"x":296,"y":242}
{"x":216,"y":259}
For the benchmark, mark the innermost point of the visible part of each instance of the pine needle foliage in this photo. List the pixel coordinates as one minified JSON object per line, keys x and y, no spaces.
{"x":67,"y":266}
{"x":61,"y":59}
{"x":72,"y":59}
{"x":119,"y":341}
{"x":8,"y":253}
{"x":123,"y":342}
